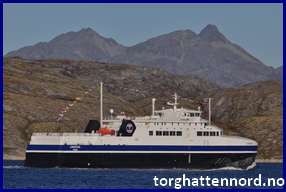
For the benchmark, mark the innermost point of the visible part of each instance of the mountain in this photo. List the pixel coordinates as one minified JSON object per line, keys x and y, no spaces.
{"x":279,"y":72}
{"x":85,"y":44}
{"x":37,"y":90}
{"x":208,"y":55}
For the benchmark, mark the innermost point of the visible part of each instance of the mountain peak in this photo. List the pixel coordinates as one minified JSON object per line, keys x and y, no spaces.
{"x":211,"y":33}
{"x":183,"y":34}
{"x":87,"y":31}
{"x":210,"y":28}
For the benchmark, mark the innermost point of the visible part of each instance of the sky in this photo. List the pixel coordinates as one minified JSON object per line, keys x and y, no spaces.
{"x":258,"y":28}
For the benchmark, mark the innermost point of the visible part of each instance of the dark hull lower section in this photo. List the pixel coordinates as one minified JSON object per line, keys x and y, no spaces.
{"x":140,"y":160}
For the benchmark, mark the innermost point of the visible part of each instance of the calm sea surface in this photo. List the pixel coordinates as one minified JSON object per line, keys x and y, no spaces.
{"x":18,"y":176}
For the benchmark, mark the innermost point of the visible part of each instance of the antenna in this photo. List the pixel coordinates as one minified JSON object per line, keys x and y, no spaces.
{"x":101,"y":104}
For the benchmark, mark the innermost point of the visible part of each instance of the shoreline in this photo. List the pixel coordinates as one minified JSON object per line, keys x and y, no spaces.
{"x":13,"y":158}
{"x":269,"y":160}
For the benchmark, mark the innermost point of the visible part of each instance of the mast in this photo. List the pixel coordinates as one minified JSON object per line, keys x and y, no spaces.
{"x":101,"y":104}
{"x":175,"y":102}
{"x":153,"y":106}
{"x":210,"y":112}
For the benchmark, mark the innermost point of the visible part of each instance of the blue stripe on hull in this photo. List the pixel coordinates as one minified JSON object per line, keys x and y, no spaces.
{"x":139,"y":148}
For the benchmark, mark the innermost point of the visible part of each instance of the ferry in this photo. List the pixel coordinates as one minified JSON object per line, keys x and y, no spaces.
{"x":168,"y":138}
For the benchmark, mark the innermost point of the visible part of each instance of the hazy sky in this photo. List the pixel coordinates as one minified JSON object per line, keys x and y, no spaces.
{"x":255,"y":27}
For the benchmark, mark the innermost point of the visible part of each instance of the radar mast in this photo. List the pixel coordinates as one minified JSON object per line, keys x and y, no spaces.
{"x":175,"y":102}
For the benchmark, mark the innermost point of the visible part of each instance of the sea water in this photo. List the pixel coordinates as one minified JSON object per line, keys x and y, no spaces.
{"x":18,"y":176}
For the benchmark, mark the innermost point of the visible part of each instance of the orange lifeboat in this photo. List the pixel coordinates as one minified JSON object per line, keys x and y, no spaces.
{"x":106,"y":131}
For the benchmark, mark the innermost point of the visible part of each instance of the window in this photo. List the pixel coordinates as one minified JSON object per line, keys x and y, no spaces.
{"x":206,"y":133}
{"x":192,"y":114}
{"x":150,"y":133}
{"x":165,"y":133}
{"x":195,"y":124}
{"x":217,"y":134}
{"x":212,"y":133}
{"x":199,"y":133}
{"x":172,"y":133}
{"x":221,"y":133}
{"x":179,"y":133}
{"x":158,"y":133}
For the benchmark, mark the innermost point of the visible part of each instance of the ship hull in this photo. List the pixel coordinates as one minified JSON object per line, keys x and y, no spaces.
{"x":141,"y":160}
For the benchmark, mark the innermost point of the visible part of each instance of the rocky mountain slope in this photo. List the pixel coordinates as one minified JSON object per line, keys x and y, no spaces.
{"x":279,"y":73}
{"x":208,"y":55}
{"x":255,"y":111}
{"x":37,"y":90}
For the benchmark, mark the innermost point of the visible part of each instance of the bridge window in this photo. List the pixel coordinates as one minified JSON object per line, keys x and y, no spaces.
{"x":206,"y":133}
{"x":150,"y":133}
{"x":165,"y":133}
{"x":199,"y":133}
{"x":158,"y":133}
{"x":179,"y":133}
{"x":172,"y":133}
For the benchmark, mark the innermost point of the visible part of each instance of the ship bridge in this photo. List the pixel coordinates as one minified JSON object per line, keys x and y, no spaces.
{"x":177,"y":114}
